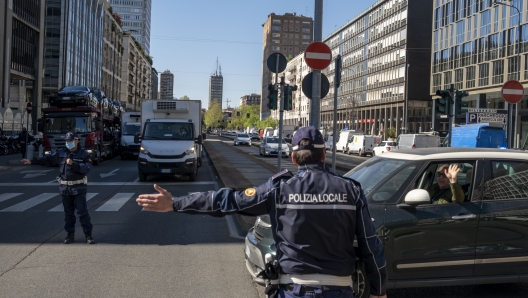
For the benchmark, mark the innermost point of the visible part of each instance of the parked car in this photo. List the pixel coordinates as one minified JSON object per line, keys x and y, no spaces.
{"x":270,"y":146}
{"x":254,"y":136}
{"x":242,"y":139}
{"x":384,"y":146}
{"x":479,"y":241}
{"x":74,"y":96}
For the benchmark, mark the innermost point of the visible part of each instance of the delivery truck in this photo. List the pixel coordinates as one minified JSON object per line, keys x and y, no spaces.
{"x":170,"y":138}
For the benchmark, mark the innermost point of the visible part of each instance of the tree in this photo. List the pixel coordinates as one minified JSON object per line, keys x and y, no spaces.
{"x":269,"y":122}
{"x":185,"y":97}
{"x":213,"y":117}
{"x":390,"y":133}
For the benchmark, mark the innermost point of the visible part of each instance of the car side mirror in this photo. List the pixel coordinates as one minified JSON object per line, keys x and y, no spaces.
{"x":414,"y":198}
{"x":199,"y":140}
{"x":137,"y":139}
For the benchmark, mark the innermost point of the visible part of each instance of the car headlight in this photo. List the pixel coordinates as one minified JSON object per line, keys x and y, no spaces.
{"x":190,"y":151}
{"x":89,"y":151}
{"x":143,"y":150}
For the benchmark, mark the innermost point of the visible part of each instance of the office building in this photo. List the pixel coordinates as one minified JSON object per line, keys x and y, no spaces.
{"x":136,"y":19}
{"x":166,"y":85}
{"x":155,"y":83}
{"x":252,"y":99}
{"x":475,"y":47}
{"x":21,"y":54}
{"x":112,"y":54}
{"x":73,"y":45}
{"x":386,"y":57}
{"x":135,"y":74}
{"x":288,"y":34}
{"x":216,"y":86}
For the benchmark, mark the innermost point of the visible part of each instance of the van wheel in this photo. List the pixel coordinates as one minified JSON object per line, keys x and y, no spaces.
{"x":360,"y":153}
{"x":142,"y":177}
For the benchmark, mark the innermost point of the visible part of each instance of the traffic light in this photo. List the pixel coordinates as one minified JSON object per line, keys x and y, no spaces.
{"x":288,"y":97}
{"x":442,"y":104}
{"x":272,"y":97}
{"x":461,"y":105}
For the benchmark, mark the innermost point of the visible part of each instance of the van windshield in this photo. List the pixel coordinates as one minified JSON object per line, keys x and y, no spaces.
{"x":168,"y":131}
{"x":130,"y":130}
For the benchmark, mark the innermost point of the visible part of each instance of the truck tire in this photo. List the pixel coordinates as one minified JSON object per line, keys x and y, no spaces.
{"x":192,"y":176}
{"x":142,"y":177}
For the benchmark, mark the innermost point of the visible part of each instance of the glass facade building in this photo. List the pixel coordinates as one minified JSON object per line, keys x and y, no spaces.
{"x":73,"y":44}
{"x":136,"y":19}
{"x":475,"y":48}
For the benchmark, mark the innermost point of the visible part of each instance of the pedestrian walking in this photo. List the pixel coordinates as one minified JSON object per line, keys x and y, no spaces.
{"x":22,"y":138}
{"x":315,"y":217}
{"x":74,"y":164}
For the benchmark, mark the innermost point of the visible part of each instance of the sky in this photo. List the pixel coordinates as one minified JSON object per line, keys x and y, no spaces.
{"x":188,"y":37}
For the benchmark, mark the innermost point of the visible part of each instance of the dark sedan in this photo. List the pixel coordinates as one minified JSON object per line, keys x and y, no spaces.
{"x":479,"y":241}
{"x":73,"y":96}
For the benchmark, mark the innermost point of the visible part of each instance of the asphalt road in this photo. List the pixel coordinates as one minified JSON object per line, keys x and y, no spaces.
{"x":139,"y":253}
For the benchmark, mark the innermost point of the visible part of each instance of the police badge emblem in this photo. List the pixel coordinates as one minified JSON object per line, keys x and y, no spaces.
{"x":250,"y":192}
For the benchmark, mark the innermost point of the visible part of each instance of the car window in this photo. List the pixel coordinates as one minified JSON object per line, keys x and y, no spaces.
{"x":508,"y":180}
{"x":393,"y":184}
{"x":241,"y":135}
{"x":428,"y":178}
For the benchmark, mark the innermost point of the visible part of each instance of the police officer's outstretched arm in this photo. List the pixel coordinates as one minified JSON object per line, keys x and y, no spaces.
{"x":371,"y":248}
{"x":252,"y":201}
{"x":51,"y":160}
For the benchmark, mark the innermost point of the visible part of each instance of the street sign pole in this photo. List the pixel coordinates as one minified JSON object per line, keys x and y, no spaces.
{"x":512,"y":92}
{"x":316,"y":83}
{"x":281,"y":112}
{"x":337,"y":82}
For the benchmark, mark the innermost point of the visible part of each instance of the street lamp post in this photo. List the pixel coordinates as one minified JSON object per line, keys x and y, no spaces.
{"x":512,"y":139}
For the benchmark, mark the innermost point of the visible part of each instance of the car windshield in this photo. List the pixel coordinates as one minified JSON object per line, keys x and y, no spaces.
{"x":374,"y":171}
{"x":274,"y":140}
{"x":168,"y":131}
{"x":130,"y":130}
{"x":66,"y":124}
{"x":74,"y":88}
{"x":242,"y":135}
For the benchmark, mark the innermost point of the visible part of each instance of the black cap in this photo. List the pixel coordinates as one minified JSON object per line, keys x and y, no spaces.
{"x":310,"y":133}
{"x":70,"y":136}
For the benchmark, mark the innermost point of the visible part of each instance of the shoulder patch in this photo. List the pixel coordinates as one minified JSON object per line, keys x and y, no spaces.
{"x":249,"y":192}
{"x":281,"y":173}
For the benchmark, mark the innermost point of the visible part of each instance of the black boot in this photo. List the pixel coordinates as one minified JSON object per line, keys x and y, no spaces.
{"x":70,"y":238}
{"x":89,"y":239}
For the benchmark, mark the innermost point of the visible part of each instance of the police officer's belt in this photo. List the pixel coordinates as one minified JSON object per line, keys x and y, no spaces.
{"x":82,"y":181}
{"x":316,"y":279}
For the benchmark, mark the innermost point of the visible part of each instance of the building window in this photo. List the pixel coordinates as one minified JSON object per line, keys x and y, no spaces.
{"x":498,"y":72}
{"x":437,"y":83}
{"x":276,"y":21}
{"x":306,"y":36}
{"x":485,"y":22}
{"x":512,"y":68}
{"x":275,"y":28}
{"x":470,"y":76}
{"x":484,"y":74}
{"x":459,"y":77}
{"x":447,"y":80}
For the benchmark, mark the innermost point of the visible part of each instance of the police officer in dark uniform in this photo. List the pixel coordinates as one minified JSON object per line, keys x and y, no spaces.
{"x":74,"y":165}
{"x":315,"y":217}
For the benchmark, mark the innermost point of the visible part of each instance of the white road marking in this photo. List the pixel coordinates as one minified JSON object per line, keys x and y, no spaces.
{"x":60,"y":208}
{"x":7,"y":196}
{"x":23,"y":206}
{"x":116,"y":202}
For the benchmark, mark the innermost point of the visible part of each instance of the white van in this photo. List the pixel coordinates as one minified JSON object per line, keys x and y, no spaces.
{"x":363,"y":145}
{"x":413,"y":141}
{"x":345,"y":137}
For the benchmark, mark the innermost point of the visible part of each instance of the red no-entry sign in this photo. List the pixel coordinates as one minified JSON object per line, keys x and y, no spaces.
{"x":29,"y":108}
{"x":512,"y":91}
{"x":318,"y":55}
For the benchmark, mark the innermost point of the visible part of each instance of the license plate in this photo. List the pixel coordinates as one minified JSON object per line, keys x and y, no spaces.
{"x":165,"y":170}
{"x":66,"y":97}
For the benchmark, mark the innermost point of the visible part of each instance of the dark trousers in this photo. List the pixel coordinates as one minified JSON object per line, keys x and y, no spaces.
{"x":23,"y":150}
{"x":70,"y":203}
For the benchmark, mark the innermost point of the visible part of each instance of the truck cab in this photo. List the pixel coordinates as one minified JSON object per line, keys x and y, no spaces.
{"x":170,"y":138}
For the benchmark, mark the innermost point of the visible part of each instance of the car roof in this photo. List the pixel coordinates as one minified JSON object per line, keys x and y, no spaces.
{"x":451,"y":153}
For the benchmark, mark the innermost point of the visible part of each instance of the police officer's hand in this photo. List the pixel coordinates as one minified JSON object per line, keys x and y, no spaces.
{"x":161,"y":202}
{"x":26,"y":161}
{"x":69,"y":161}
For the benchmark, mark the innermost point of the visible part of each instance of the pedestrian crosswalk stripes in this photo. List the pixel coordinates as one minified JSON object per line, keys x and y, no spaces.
{"x":60,"y":208}
{"x":7,"y":196}
{"x":115,"y":203}
{"x":22,"y":206}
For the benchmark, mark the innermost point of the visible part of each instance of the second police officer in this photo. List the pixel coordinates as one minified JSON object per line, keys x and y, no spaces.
{"x":315,"y":217}
{"x":74,"y":164}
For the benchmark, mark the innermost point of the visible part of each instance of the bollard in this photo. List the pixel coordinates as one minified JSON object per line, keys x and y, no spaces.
{"x":30,"y":151}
